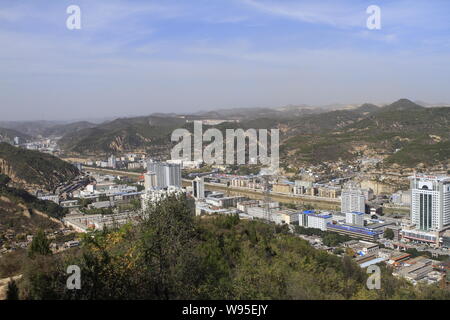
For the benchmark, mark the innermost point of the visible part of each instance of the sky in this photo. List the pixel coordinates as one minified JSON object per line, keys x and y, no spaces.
{"x":137,"y":57}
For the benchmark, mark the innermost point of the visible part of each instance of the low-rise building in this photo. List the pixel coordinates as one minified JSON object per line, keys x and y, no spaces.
{"x":282,"y":188}
{"x":311,"y":219}
{"x":354,"y":231}
{"x":354,"y":218}
{"x":50,"y":197}
{"x":362,"y":247}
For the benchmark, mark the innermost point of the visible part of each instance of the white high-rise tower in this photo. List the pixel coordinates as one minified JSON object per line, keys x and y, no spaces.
{"x":430,"y":202}
{"x":353,"y":200}
{"x":198,"y":187}
{"x":167,"y":174}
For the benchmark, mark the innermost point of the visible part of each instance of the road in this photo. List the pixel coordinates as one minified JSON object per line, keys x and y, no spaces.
{"x":112,"y":171}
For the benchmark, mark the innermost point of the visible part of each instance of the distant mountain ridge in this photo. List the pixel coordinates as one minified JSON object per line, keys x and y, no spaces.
{"x":8,"y":135}
{"x":403,"y":132}
{"x":308,"y":135}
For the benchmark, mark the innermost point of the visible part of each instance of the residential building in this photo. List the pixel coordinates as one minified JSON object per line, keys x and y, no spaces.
{"x":353,"y":200}
{"x":112,"y":163}
{"x":325,"y":191}
{"x":401,"y":198}
{"x":167,"y":174}
{"x":150,"y":180}
{"x":198,"y":188}
{"x":282,"y":188}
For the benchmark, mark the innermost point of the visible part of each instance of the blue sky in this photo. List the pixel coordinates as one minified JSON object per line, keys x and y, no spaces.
{"x":137,"y":57}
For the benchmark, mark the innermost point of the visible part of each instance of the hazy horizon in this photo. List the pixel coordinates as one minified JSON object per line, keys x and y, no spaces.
{"x":333,"y":106}
{"x":135,"y":58}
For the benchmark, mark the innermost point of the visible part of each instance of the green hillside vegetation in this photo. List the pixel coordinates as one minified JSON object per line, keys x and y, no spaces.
{"x":34,"y":168}
{"x":122,"y":135}
{"x":420,"y":133}
{"x":306,"y":138}
{"x":21,"y":197}
{"x":173,"y":255}
{"x":417,"y":152}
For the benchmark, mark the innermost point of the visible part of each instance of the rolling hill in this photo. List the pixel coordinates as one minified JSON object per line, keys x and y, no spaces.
{"x":62,"y":129}
{"x":125,"y":134}
{"x":403,"y":131}
{"x":8,"y":135}
{"x":33,"y":170}
{"x":398,"y":132}
{"x":28,"y":129}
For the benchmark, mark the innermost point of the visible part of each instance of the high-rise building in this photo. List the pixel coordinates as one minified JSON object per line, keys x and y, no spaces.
{"x":167,"y":174}
{"x":112,"y":161}
{"x":353,"y":200}
{"x":198,"y":188}
{"x":150,"y":181}
{"x":430,"y":202}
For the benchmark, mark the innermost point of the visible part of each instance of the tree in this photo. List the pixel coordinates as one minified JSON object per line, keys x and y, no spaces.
{"x":40,"y":245}
{"x":167,"y":240}
{"x":389,"y":234}
{"x":12,"y":292}
{"x":4,"y":180}
{"x":136,"y":204}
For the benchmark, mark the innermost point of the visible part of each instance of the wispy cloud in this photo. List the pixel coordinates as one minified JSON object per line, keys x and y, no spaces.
{"x":172,"y":54}
{"x":322,"y":12}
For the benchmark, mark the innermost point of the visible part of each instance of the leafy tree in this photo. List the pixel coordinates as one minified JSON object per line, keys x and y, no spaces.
{"x":173,"y":255}
{"x":85,"y":202}
{"x":4,"y":180}
{"x":136,"y":204}
{"x":168,"y":234}
{"x":389,"y":234}
{"x":40,"y":245}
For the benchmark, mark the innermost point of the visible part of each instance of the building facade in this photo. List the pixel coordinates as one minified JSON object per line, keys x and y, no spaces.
{"x":309,"y":219}
{"x":353,"y":200}
{"x":150,"y":181}
{"x":167,"y":174}
{"x":354,"y":218}
{"x":430,"y":202}
{"x":198,"y":188}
